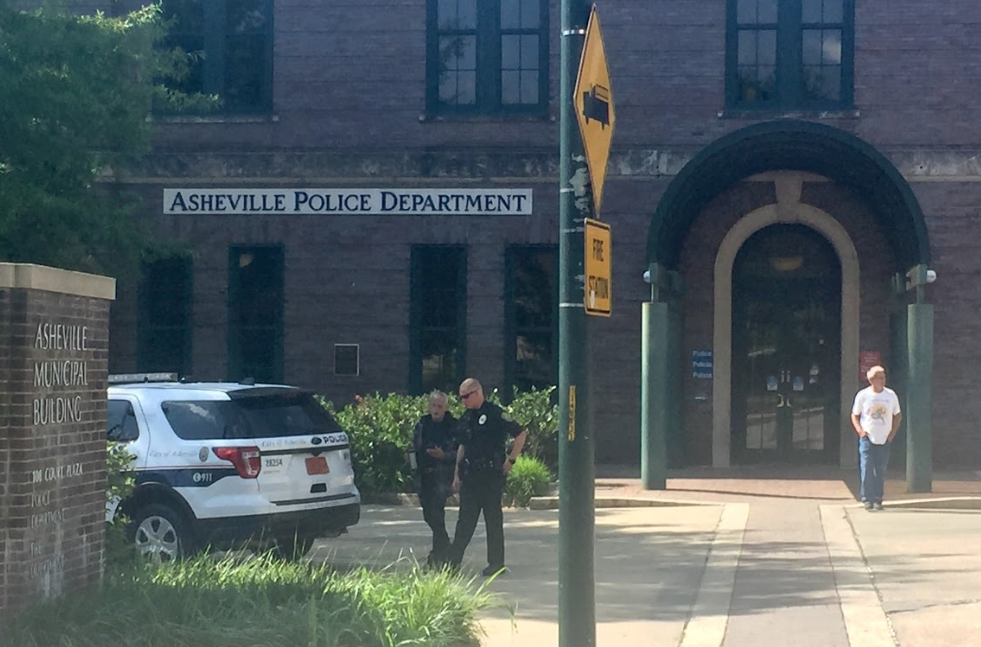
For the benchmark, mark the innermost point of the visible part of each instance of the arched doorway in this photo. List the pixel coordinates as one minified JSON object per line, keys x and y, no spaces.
{"x":786,"y":347}
{"x":784,"y":149}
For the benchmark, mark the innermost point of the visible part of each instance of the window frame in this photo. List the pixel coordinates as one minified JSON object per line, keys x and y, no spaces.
{"x":790,"y":93}
{"x":489,"y":65}
{"x":215,"y":48}
{"x":416,"y":328}
{"x":510,"y":314}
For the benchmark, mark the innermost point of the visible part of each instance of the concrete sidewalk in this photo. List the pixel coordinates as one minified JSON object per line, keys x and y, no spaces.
{"x":728,"y":560}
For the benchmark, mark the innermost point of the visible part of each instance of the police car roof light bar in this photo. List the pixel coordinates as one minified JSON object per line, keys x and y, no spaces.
{"x":136,"y":378}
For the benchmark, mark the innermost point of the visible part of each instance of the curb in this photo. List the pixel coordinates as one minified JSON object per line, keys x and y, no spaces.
{"x":536,"y":503}
{"x":552,"y":503}
{"x":943,"y":503}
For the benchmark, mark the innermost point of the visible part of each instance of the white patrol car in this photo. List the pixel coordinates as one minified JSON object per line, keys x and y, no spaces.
{"x":226,"y":465}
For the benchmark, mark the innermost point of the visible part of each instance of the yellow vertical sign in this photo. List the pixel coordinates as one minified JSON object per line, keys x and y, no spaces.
{"x":572,"y":412}
{"x":598,"y":293}
{"x":593,"y":100}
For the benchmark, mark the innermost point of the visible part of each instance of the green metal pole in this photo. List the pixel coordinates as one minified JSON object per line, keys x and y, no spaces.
{"x":897,"y":372}
{"x":919,"y":399}
{"x":654,"y":414}
{"x":577,"y":607}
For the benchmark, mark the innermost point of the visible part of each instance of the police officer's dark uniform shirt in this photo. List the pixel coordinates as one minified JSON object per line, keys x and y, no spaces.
{"x":485,"y":434}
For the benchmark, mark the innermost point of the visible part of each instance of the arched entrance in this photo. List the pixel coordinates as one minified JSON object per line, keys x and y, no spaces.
{"x":786,"y":347}
{"x":778,"y":148}
{"x":787,"y":211}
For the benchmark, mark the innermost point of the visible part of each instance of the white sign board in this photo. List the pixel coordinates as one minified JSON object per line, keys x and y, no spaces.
{"x":349,"y":202}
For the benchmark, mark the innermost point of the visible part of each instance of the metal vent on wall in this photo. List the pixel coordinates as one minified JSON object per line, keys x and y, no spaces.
{"x":347,"y":359}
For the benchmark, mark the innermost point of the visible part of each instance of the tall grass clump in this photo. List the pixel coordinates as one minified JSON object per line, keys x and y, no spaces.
{"x":258,"y":601}
{"x":529,"y":477}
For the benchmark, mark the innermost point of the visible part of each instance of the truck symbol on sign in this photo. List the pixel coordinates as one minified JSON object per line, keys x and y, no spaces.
{"x":596,"y":105}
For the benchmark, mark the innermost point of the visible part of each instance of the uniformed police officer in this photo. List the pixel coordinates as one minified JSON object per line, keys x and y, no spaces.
{"x":435,"y":444}
{"x":482,"y":465}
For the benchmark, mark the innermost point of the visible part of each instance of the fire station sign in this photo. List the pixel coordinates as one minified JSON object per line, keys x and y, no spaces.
{"x":599,"y":261}
{"x":593,"y":99}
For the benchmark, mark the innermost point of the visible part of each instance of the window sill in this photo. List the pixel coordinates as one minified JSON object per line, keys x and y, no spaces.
{"x":213,"y":119}
{"x":744,"y":113}
{"x":426,"y":118}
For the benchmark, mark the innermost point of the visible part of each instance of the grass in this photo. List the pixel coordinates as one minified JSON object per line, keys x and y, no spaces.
{"x":259,"y":602}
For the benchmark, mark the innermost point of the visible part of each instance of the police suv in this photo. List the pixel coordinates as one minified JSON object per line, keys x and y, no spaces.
{"x":226,"y":465}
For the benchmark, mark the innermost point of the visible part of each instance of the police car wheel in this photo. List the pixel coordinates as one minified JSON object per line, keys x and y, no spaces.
{"x":161,"y":535}
{"x":294,"y":547}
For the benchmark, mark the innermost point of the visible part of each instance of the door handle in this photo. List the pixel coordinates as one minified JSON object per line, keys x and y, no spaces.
{"x":782,"y":401}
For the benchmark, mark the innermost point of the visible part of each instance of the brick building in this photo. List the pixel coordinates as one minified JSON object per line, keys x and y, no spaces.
{"x":375,"y":207}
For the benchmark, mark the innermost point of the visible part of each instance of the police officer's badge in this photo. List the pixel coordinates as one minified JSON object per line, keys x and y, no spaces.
{"x":482,"y":419}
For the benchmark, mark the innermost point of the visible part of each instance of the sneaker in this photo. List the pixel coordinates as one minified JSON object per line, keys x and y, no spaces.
{"x":869,"y":505}
{"x":493,"y":570}
{"x":877,"y":506}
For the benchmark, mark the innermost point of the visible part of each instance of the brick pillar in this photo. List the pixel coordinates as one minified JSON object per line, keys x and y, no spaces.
{"x":54,"y":340}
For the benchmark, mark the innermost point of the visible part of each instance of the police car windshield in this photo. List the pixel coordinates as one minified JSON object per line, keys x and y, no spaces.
{"x":268,"y":416}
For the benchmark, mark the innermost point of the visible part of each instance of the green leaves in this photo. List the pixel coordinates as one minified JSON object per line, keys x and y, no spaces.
{"x":75,"y":93}
{"x":380,"y":429}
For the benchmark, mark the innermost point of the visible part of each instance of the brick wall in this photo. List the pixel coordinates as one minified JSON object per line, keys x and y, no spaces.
{"x":349,"y":90}
{"x":53,"y":363}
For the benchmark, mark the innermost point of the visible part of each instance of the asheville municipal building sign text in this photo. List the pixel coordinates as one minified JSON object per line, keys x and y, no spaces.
{"x":348,"y":202}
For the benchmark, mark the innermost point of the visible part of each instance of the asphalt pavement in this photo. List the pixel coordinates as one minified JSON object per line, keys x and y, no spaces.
{"x":728,"y":559}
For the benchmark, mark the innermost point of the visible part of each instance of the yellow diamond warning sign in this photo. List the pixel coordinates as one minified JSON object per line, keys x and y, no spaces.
{"x":599,"y":262}
{"x":593,"y":99}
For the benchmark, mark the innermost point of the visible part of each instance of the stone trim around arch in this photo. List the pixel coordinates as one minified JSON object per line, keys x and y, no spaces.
{"x":788,"y":209}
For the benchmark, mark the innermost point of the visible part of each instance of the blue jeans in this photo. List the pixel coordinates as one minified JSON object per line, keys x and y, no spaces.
{"x":874,"y":459}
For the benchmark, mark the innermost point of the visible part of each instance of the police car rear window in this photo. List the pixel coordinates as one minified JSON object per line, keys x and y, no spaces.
{"x":268,"y":416}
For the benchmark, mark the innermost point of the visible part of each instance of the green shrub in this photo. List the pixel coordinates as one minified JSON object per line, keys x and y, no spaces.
{"x":528,"y":477}
{"x":119,"y":485}
{"x":535,"y":412}
{"x":380,"y":430}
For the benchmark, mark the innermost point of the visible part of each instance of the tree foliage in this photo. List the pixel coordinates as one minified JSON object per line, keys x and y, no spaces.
{"x":75,"y":93}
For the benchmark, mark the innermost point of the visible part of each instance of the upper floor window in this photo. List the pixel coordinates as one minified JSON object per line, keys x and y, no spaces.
{"x":487,"y":56}
{"x":231,"y":43}
{"x":790,"y":54}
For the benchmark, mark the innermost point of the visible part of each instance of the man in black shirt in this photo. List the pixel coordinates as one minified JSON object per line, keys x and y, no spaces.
{"x":482,"y":465}
{"x":435,"y":444}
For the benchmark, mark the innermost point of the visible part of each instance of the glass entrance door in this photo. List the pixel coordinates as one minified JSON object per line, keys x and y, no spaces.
{"x":786,"y":348}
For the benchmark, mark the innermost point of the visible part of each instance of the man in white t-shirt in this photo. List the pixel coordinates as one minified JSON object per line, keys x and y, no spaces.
{"x":875,"y":417}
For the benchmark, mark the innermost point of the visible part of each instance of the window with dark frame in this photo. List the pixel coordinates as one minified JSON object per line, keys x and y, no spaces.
{"x":231,"y":43}
{"x":438,"y":318}
{"x":487,"y":57}
{"x":531,"y":287}
{"x":347,"y":359}
{"x":164,"y":320}
{"x":255,"y":314}
{"x":790,"y":54}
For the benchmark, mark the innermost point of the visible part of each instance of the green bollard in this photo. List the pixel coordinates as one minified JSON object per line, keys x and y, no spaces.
{"x":919,"y":399}
{"x":655,"y":398}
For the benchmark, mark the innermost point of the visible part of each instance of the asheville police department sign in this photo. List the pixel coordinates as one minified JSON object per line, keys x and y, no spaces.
{"x":347,"y":202}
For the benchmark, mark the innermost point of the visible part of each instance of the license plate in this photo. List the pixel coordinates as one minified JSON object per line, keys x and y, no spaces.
{"x":317,"y":465}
